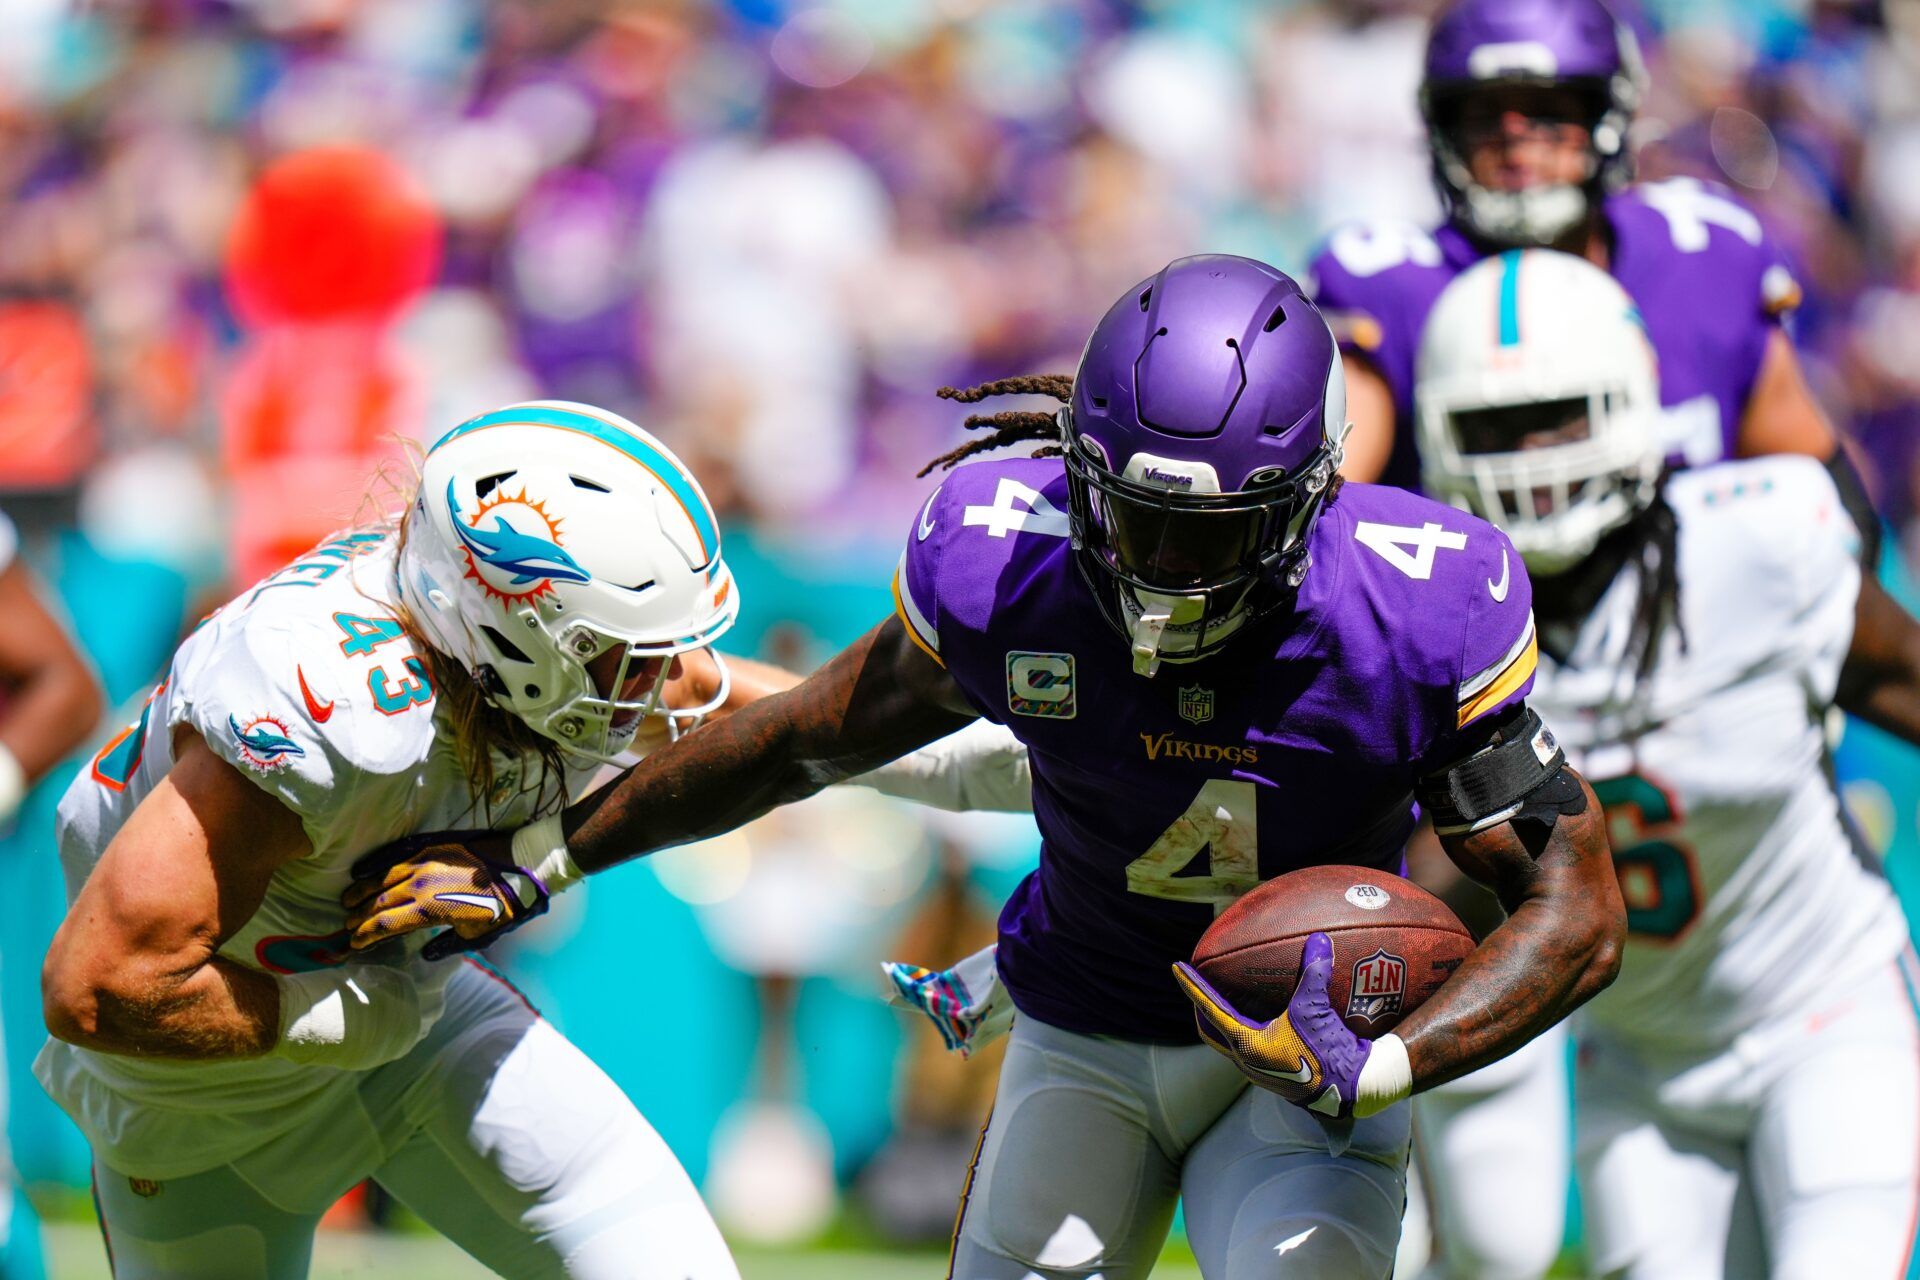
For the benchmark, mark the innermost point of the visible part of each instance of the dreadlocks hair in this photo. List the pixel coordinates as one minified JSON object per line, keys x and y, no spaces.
{"x":1659,"y":598}
{"x":1010,"y":426}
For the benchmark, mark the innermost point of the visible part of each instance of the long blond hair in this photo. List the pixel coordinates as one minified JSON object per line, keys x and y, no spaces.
{"x":481,"y":731}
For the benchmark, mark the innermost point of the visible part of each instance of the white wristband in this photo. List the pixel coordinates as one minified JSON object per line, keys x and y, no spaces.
{"x":1385,"y":1078}
{"x":13,"y":785}
{"x":353,"y":1018}
{"x":541,"y":848}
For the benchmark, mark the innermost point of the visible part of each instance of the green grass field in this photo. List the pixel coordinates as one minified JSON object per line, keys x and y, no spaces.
{"x":74,"y":1253}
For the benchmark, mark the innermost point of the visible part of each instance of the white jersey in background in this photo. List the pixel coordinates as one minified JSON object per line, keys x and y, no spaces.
{"x":306,"y":684}
{"x":1746,"y":899}
{"x":1764,"y":970}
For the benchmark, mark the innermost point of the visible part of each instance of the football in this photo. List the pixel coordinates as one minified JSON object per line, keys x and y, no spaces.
{"x":1393,"y":944}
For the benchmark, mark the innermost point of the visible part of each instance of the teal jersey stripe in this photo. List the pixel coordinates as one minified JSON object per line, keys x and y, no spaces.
{"x":608,"y":434}
{"x":1510,"y":298}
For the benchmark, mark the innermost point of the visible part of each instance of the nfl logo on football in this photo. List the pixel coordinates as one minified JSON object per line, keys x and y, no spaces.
{"x":1196,"y":704}
{"x":1379,"y":984}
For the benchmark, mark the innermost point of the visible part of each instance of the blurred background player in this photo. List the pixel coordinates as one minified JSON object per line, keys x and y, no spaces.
{"x":1528,"y":106}
{"x":1694,"y":628}
{"x":234,"y":1065}
{"x":1213,"y":544}
{"x":49,"y":703}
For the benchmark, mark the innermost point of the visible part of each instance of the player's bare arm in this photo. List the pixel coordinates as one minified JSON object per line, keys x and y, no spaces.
{"x":1369,"y":440}
{"x":876,"y":701}
{"x":54,"y":697}
{"x":879,"y":699}
{"x":1559,"y":946}
{"x":1880,"y":680}
{"x":1781,"y":415}
{"x":134,"y":968}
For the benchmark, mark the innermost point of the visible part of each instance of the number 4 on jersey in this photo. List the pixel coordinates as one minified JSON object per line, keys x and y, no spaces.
{"x":364,"y":635}
{"x":1406,"y":548}
{"x":1221,"y":823}
{"x":1032,"y":514}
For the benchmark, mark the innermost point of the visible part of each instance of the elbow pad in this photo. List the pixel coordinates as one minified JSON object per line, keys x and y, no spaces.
{"x":1521,"y":771}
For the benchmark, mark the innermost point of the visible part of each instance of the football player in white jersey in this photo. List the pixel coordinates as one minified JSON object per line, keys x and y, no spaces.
{"x":1694,"y":628}
{"x":233,"y":1065}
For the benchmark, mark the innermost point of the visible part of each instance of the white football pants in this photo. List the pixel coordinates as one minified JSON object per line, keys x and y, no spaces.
{"x":1494,"y":1154}
{"x":1093,"y":1140}
{"x":1794,"y":1153}
{"x":498,"y":1132}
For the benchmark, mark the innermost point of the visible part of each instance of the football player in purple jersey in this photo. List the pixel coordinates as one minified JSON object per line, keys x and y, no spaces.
{"x":1225,"y":665}
{"x":1527,"y":104}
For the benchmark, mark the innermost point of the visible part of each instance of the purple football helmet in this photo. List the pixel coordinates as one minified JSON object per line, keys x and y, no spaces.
{"x":1201,"y":443}
{"x":1572,"y":45}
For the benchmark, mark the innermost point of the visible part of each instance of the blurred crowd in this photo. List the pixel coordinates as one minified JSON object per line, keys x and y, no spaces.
{"x":767,"y":230}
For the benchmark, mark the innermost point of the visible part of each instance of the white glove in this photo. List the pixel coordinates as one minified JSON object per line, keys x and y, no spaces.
{"x":359,"y":1015}
{"x":982,"y":767}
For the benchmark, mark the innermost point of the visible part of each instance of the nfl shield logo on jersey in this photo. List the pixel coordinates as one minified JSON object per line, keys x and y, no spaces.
{"x":1196,"y":704}
{"x":1379,"y":985}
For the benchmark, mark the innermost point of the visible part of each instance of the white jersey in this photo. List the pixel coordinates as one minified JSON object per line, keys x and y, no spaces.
{"x":1745,"y":895}
{"x":306,"y":684}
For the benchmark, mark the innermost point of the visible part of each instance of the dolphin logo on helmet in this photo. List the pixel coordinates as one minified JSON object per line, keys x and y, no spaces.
{"x":527,"y":557}
{"x":576,"y":641}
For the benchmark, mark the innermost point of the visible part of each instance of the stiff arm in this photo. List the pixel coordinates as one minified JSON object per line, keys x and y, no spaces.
{"x":877,"y":700}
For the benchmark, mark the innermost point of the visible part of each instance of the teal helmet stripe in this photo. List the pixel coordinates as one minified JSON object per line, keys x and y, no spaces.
{"x":1510,"y":298}
{"x":664,"y":468}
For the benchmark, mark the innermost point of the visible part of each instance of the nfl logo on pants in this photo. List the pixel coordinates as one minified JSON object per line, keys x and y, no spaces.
{"x":1196,"y":704}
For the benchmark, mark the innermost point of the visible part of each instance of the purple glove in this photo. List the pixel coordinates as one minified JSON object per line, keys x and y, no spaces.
{"x":1306,"y":1055}
{"x":465,"y":880}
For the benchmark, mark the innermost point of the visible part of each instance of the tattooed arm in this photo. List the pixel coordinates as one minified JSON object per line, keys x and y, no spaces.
{"x":1559,"y":946}
{"x":876,"y":701}
{"x":879,"y":699}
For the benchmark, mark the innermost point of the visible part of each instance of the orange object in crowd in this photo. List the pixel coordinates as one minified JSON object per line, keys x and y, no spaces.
{"x":331,"y":233}
{"x":48,"y":432}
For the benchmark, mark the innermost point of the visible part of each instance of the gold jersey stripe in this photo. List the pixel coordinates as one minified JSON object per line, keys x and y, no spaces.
{"x":1504,"y":684}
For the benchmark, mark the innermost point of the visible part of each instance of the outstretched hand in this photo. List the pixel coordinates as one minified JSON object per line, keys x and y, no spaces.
{"x":463,"y":880}
{"x":1307,"y":1055}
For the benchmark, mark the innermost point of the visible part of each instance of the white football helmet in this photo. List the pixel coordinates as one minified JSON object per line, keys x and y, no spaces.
{"x":564,"y":556}
{"x":1538,"y":403}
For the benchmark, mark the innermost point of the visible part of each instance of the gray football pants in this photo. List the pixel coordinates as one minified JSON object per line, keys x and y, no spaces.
{"x":1092,"y":1141}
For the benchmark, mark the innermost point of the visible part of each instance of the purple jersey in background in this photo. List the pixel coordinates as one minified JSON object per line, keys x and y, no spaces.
{"x":1161,"y":799}
{"x":1709,"y":283}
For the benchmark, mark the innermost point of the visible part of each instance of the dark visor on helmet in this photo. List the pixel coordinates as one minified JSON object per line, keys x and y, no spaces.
{"x":1166,"y":540}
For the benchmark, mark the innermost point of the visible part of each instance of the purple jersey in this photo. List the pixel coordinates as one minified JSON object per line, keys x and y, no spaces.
{"x":1160,"y":800}
{"x":1710,"y":285}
